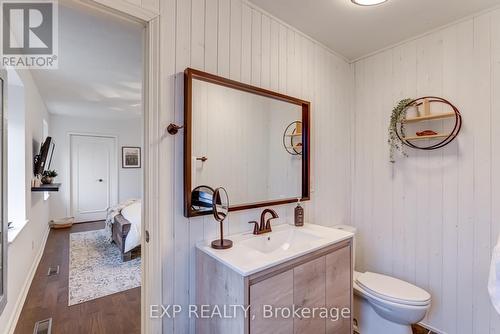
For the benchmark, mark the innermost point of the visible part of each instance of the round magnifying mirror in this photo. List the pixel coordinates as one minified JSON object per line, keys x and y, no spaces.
{"x":202,"y":199}
{"x":221,"y":209}
{"x":220,"y":204}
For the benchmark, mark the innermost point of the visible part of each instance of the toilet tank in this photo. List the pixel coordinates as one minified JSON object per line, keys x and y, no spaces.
{"x":353,"y":230}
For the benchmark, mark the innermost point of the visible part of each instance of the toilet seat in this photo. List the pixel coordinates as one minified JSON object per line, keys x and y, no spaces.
{"x":391,"y":289}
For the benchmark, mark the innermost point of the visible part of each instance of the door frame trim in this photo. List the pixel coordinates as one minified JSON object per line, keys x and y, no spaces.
{"x":115,"y":170}
{"x":4,"y":244}
{"x":154,"y":252}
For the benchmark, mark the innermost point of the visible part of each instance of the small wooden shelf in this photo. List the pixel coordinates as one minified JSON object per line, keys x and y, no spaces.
{"x":426,"y":137}
{"x":292,"y":138}
{"x":47,"y":187}
{"x":430,"y":117}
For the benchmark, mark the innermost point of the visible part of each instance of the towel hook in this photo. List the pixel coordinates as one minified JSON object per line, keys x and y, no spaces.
{"x":173,"y":128}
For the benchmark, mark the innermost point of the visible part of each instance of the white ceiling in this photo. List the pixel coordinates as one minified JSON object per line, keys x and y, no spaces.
{"x":100,"y":66}
{"x":355,"y":31}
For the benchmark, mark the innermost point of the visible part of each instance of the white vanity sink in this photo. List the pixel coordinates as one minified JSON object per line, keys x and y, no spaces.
{"x":252,"y":253}
{"x":287,"y":240}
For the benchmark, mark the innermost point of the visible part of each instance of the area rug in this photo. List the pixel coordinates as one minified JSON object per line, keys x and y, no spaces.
{"x":96,"y":268}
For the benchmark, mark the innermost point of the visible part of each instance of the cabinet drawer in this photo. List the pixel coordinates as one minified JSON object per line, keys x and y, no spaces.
{"x":324,"y":281}
{"x":339,"y":289}
{"x":320,"y":282}
{"x":279,"y":290}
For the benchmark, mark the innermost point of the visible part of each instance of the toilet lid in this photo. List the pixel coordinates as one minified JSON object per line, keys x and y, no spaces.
{"x":393,"y":289}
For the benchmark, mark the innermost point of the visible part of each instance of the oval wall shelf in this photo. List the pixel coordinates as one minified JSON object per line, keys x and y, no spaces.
{"x":292,"y":138}
{"x":424,"y":103}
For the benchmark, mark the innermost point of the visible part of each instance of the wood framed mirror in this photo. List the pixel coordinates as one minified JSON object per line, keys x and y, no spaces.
{"x":234,"y":138}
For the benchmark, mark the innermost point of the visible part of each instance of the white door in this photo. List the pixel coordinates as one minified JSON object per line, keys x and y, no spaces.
{"x":94,"y":170}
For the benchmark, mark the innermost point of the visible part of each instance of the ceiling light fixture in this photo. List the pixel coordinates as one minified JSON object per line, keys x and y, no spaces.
{"x":368,"y":2}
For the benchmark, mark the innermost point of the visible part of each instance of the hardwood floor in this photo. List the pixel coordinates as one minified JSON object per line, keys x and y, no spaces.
{"x":48,"y":297}
{"x":417,"y":329}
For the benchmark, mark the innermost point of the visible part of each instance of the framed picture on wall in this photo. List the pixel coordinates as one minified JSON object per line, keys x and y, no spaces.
{"x":131,"y":157}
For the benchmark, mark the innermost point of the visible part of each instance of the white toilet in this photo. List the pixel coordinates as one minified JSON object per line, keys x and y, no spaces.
{"x":384,"y":304}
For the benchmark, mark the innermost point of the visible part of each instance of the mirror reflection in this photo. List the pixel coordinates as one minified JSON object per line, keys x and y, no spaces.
{"x":202,"y":199}
{"x":221,"y":204}
{"x":240,"y":140}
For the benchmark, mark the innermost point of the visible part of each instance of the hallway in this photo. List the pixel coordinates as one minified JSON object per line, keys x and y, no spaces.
{"x":48,"y":297}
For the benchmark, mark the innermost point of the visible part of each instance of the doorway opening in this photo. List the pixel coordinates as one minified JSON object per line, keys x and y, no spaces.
{"x":91,"y":117}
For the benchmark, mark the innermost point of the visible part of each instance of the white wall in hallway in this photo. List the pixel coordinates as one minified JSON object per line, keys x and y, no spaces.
{"x":128,"y":133}
{"x":433,"y":218}
{"x":25,"y":250}
{"x":234,"y":40}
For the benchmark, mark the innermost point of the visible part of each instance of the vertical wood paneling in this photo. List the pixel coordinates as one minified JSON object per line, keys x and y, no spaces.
{"x":274,"y":56}
{"x":167,"y":212}
{"x":442,"y":203}
{"x":282,"y":58}
{"x":224,"y":38}
{"x":235,"y":39}
{"x":297,"y":69}
{"x":256,"y":48}
{"x":495,"y":144}
{"x":430,"y":219}
{"x":246,"y":44}
{"x":482,"y":171}
{"x":198,"y":34}
{"x":181,"y":228}
{"x":465,"y":223}
{"x":317,"y":128}
{"x":368,"y":178}
{"x":410,"y":194}
{"x":357,"y":160}
{"x":211,"y":65}
{"x":381,"y":210}
{"x":198,"y":54}
{"x":290,"y":60}
{"x":451,"y":80}
{"x":404,"y":197}
{"x":266,"y":52}
{"x":211,"y":35}
{"x":223,"y":55}
{"x":432,"y":81}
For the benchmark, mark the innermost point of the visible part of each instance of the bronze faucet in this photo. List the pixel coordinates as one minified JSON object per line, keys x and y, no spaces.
{"x":265,"y":226}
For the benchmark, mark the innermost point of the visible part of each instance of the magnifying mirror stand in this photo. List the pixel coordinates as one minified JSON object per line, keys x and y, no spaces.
{"x":222,"y":243}
{"x":220,"y":206}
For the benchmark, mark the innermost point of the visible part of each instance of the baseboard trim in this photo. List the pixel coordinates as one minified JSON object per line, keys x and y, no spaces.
{"x":91,"y":221}
{"x":26,"y":287}
{"x":428,"y":327}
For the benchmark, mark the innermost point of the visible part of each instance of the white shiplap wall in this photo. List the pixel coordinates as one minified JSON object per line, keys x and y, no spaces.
{"x":433,"y":218}
{"x":236,"y":40}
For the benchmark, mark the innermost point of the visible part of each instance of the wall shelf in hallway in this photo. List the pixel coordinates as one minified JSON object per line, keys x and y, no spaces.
{"x":47,"y":187}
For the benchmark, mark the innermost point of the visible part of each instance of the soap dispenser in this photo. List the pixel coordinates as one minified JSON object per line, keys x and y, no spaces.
{"x":299,"y":214}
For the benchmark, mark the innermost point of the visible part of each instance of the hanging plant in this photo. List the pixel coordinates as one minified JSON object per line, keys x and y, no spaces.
{"x":397,"y":117}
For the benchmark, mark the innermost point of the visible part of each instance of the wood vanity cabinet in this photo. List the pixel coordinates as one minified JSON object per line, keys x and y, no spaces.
{"x":321,"y":279}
